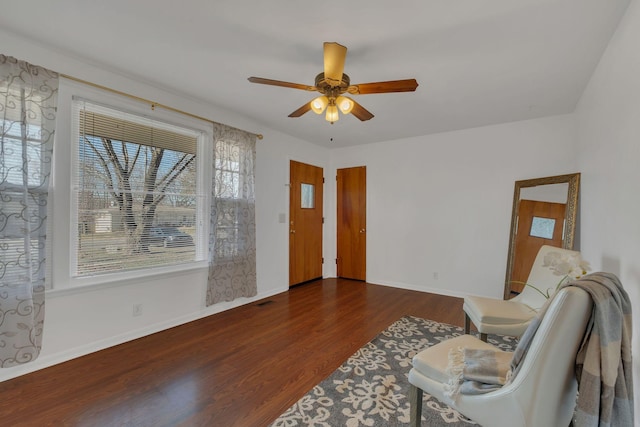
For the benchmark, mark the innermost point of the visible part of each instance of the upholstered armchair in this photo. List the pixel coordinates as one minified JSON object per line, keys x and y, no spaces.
{"x":543,"y":392}
{"x":511,"y":317}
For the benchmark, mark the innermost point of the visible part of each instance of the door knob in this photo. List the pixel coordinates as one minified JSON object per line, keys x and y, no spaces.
{"x":362,"y":230}
{"x":292,"y":231}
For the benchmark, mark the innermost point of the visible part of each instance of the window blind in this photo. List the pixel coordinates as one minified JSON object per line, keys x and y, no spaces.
{"x":135,"y":191}
{"x":104,"y":126}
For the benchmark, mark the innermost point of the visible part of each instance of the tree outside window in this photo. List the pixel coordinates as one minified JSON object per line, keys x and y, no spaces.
{"x":135,"y":191}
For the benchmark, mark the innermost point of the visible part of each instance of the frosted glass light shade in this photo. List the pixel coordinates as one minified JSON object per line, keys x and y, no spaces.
{"x":345,"y":104}
{"x":332,"y":114}
{"x":319,"y":104}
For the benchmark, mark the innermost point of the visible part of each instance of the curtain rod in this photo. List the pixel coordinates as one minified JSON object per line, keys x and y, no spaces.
{"x":146,"y":101}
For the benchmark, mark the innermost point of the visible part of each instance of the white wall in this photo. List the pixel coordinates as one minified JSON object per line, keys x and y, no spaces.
{"x":440,"y":205}
{"x":608,"y":118}
{"x":82,"y":320}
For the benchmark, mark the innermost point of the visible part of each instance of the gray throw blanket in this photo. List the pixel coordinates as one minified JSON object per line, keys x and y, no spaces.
{"x":603,"y":362}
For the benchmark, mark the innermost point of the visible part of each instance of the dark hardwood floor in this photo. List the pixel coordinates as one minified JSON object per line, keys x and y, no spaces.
{"x":242,"y":367}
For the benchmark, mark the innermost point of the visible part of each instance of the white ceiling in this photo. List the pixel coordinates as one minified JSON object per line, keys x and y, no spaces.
{"x":478,"y":62}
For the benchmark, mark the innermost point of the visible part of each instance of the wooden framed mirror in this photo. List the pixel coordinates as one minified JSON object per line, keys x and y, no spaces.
{"x":544,"y":213}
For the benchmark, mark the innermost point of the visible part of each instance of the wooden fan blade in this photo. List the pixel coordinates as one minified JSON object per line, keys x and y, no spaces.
{"x":408,"y":85}
{"x":334,"y":56}
{"x":262,"y":81}
{"x":360,"y":112}
{"x":300,"y":111}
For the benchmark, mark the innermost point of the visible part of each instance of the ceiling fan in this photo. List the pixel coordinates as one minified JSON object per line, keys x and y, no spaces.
{"x":333,"y":83}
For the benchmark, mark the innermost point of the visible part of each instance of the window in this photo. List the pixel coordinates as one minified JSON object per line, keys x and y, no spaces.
{"x":542,"y":227}
{"x":307,"y":196}
{"x":25,"y":161}
{"x":234,"y":198}
{"x":137,"y":198}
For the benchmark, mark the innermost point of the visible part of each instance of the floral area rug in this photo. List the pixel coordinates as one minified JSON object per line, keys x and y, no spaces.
{"x":372,"y":388}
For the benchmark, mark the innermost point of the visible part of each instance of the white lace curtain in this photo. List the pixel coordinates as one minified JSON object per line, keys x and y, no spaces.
{"x":232,"y":236}
{"x":27,"y":116}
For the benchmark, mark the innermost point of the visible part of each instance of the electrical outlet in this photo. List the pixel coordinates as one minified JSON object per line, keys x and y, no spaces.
{"x":137,"y":310}
{"x":435,"y":275}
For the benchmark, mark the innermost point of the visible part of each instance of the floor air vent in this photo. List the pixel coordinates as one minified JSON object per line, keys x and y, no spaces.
{"x":260,"y":304}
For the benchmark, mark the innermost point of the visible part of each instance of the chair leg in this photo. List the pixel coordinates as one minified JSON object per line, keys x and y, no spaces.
{"x":467,"y":323}
{"x":415,"y":406}
{"x":483,"y":337}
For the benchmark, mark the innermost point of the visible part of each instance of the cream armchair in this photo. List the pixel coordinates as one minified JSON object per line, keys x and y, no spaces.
{"x":543,"y":393}
{"x":511,"y":317}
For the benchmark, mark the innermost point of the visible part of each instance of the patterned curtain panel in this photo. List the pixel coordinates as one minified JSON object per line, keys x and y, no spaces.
{"x":232,"y":236}
{"x":27,"y":110}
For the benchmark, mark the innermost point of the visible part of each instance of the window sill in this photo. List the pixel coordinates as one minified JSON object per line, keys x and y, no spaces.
{"x":90,"y":284}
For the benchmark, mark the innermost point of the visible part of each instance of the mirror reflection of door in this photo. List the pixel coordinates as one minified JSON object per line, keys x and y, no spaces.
{"x":352,"y":223}
{"x":305,"y":223}
{"x":539,"y":223}
{"x":560,"y":189}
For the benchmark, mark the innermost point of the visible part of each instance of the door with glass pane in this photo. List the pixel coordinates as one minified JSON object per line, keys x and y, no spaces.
{"x":352,"y":223}
{"x":539,"y":223}
{"x":305,"y":223}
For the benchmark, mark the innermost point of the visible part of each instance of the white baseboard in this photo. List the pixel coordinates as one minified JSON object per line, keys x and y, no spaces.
{"x":411,"y":287}
{"x":64,"y":356}
{"x":83,"y":350}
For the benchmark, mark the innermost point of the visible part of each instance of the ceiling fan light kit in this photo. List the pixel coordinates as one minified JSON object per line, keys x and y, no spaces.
{"x":332,"y":105}
{"x":333,"y":82}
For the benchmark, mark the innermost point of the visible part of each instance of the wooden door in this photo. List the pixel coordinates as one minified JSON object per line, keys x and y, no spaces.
{"x":352,"y":223}
{"x":539,"y":223}
{"x":305,"y":223}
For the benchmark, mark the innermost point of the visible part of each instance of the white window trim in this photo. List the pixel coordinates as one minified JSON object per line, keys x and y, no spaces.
{"x":64,"y":235}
